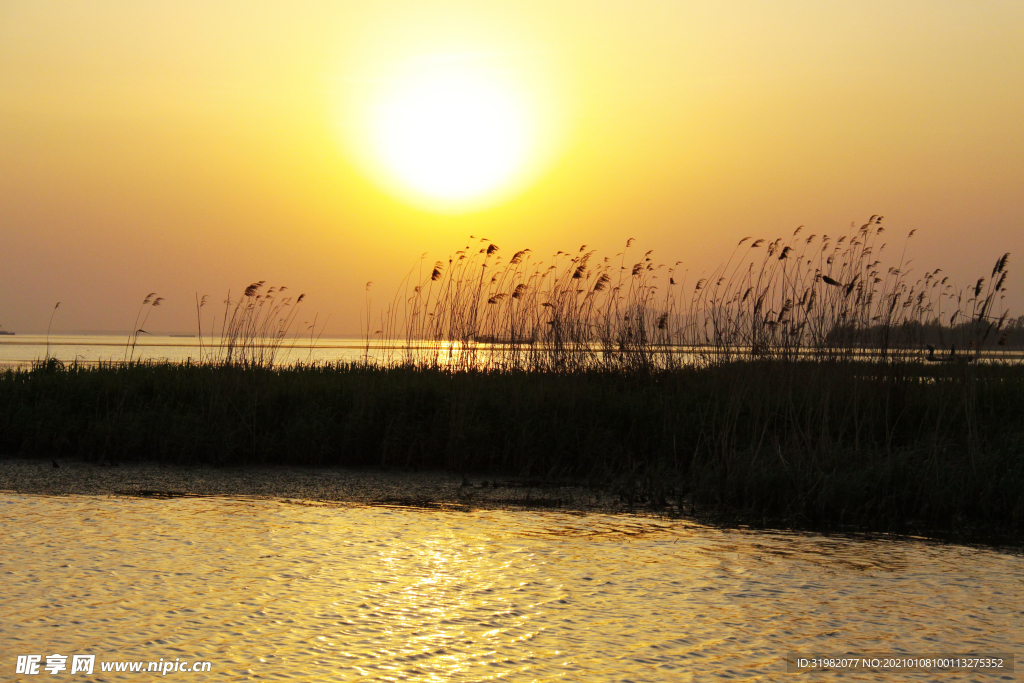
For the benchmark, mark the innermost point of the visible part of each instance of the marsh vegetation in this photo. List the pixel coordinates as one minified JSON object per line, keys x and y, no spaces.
{"x":810,"y":297}
{"x":792,"y":385}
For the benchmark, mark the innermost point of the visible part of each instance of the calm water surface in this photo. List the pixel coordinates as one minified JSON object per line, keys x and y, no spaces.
{"x":269,"y":590}
{"x":24,"y":349}
{"x":21,"y":350}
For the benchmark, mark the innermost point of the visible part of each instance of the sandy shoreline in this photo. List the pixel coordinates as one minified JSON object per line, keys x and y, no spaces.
{"x":328,"y":485}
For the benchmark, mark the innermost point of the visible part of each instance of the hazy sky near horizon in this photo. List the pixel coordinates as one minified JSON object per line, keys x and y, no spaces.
{"x":193,"y":147}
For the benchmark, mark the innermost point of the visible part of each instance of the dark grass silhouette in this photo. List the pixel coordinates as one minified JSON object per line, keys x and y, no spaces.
{"x":810,"y":297}
{"x":933,"y":446}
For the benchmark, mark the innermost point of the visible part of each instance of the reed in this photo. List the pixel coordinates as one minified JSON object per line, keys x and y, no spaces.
{"x":150,"y":302}
{"x":253,"y":328}
{"x":48,"y":326}
{"x":808,"y":297}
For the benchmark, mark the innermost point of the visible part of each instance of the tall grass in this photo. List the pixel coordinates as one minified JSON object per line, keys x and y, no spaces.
{"x":48,"y":326}
{"x":254,"y":328}
{"x":150,"y":302}
{"x":809,"y":296}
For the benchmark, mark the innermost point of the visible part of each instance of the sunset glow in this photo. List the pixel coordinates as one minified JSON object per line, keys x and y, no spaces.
{"x":451,"y":135}
{"x":519,"y":340}
{"x":188,"y":147}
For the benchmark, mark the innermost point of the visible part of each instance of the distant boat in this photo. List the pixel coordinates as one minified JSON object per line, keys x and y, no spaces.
{"x":6,"y":332}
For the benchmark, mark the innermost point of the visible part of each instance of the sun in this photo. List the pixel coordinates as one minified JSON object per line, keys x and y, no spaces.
{"x":452,"y":134}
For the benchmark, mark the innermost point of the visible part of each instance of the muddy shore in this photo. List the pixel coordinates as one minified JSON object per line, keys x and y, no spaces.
{"x":438,"y":490}
{"x":327,"y":485}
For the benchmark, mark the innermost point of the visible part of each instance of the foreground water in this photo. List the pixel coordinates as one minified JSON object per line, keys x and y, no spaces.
{"x":276,"y":590}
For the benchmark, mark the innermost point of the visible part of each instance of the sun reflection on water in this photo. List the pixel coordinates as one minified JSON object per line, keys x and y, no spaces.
{"x":273,"y":590}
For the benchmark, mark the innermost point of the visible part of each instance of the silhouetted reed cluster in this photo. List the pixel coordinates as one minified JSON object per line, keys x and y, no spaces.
{"x":808,"y":297}
{"x":253,"y":328}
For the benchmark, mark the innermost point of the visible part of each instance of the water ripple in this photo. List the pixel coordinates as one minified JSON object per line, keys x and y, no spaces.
{"x":271,"y":591}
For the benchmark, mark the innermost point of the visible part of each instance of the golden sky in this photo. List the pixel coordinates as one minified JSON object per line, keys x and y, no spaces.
{"x":183,"y":147}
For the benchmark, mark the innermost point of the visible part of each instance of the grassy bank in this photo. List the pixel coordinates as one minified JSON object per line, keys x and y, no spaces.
{"x":881,"y":445}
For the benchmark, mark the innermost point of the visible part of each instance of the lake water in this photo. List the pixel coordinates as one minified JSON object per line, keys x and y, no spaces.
{"x":22,"y":350}
{"x":271,"y":590}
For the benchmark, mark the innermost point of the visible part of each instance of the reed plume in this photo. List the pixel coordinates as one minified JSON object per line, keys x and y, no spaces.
{"x":803,"y":297}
